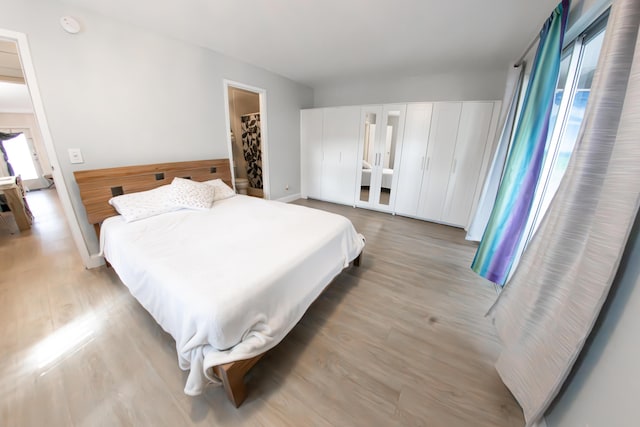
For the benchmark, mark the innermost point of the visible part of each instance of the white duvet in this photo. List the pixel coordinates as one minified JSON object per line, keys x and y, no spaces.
{"x":230,"y":282}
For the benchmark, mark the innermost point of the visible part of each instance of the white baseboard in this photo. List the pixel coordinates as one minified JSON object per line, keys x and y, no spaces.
{"x":290,"y":198}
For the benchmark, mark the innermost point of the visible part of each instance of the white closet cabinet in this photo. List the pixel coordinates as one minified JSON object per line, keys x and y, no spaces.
{"x":473,"y":136}
{"x":311,"y":152}
{"x":379,"y":148}
{"x":423,"y":160}
{"x":443,"y":153}
{"x":442,"y":142}
{"x":329,"y":145}
{"x":413,"y":158}
{"x":340,"y":147}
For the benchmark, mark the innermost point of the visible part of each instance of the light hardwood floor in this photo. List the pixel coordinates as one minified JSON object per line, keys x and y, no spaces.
{"x":401,"y":340}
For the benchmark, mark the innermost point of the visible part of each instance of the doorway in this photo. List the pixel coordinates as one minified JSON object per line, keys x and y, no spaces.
{"x":22,"y":140}
{"x":23,"y":154}
{"x":18,"y":72}
{"x":246,"y":118}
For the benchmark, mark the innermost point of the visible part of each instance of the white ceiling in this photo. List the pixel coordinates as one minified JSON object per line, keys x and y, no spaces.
{"x":316,"y":42}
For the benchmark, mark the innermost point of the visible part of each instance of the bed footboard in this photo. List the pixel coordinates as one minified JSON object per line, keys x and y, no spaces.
{"x":232,"y":377}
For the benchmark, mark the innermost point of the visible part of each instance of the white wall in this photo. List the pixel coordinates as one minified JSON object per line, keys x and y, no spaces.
{"x":604,"y":387}
{"x":127,"y":96}
{"x":460,"y":86}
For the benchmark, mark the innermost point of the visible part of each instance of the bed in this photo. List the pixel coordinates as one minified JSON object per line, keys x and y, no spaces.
{"x":227,"y":283}
{"x":387,"y":178}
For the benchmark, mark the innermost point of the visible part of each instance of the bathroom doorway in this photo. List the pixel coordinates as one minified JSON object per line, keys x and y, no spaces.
{"x":247,"y":138}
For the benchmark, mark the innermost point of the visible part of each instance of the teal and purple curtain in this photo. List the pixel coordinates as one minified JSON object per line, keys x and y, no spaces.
{"x":505,"y":229}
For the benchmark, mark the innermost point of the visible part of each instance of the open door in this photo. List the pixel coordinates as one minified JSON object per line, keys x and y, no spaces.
{"x":246,"y":118}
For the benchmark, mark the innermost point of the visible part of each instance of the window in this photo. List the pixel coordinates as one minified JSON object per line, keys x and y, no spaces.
{"x":577,"y":68}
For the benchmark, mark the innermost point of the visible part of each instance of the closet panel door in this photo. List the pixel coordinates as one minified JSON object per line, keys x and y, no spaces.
{"x":390,"y":147}
{"x":340,"y":129}
{"x":311,"y":153}
{"x":442,"y":142}
{"x":412,"y":158}
{"x":473,"y":133}
{"x":370,"y":119}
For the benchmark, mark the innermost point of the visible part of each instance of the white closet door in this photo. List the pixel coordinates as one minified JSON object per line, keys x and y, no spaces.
{"x":412,"y":158}
{"x":311,"y":152}
{"x":475,"y":121}
{"x":341,"y":126}
{"x":370,"y":126}
{"x":442,"y":141}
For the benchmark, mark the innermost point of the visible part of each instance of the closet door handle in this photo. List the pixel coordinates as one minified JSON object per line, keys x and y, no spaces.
{"x":455,"y":164}
{"x":422,"y":163}
{"x":428,"y":162}
{"x":341,"y":157}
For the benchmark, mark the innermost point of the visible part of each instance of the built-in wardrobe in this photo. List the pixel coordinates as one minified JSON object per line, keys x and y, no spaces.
{"x":422,"y":160}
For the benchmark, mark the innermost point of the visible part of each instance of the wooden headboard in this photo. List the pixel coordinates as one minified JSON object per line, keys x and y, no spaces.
{"x":99,"y":185}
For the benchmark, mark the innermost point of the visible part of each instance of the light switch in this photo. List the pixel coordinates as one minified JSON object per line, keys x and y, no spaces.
{"x":75,"y":155}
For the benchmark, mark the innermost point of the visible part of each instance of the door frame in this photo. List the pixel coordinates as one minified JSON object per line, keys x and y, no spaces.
{"x":24,"y":54}
{"x":262,"y":94}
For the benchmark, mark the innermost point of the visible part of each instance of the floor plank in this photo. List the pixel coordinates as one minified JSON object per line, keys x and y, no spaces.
{"x":400,"y":340}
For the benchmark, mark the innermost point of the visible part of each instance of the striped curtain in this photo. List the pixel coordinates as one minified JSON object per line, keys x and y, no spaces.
{"x":547,"y":310}
{"x":508,"y":219}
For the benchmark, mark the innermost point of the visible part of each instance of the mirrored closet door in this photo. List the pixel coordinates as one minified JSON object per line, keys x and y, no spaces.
{"x":370,"y":116}
{"x":381,"y":129}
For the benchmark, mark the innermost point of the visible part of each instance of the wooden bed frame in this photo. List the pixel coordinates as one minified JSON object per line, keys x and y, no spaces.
{"x":99,"y":185}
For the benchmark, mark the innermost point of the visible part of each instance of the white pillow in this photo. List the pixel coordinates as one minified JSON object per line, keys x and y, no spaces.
{"x":192,"y":194}
{"x":144,"y":204}
{"x":223,"y":191}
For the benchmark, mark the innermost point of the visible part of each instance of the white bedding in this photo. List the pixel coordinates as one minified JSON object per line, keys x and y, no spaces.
{"x":230,"y":282}
{"x":387,"y":178}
